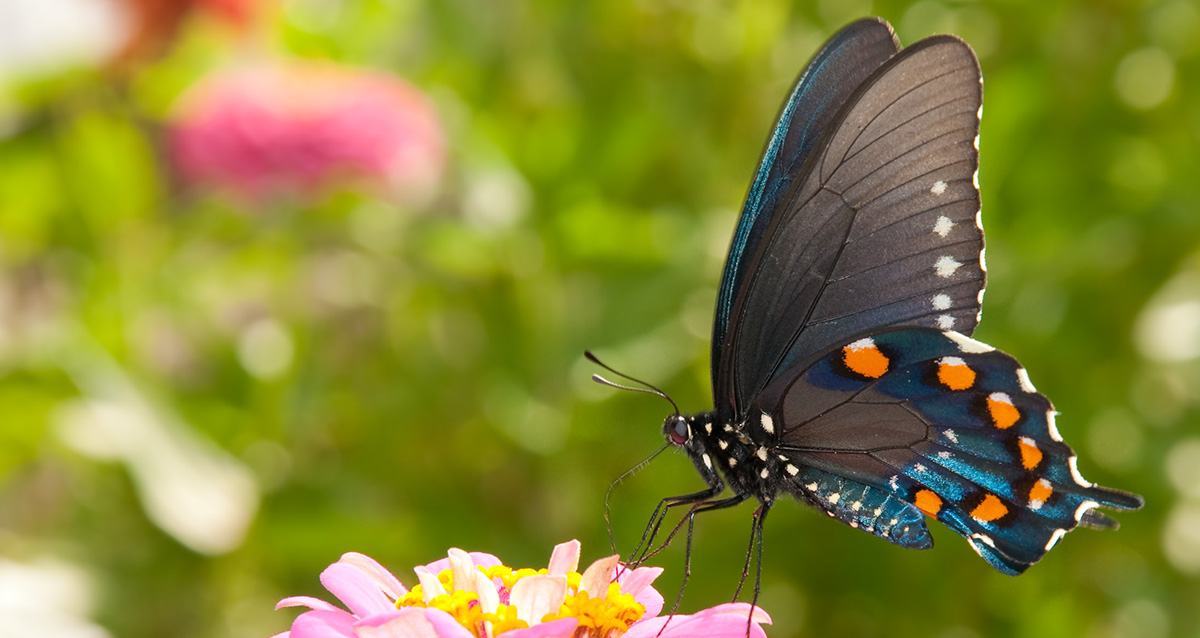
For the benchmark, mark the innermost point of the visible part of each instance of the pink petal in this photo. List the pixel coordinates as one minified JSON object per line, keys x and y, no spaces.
{"x":561,"y":628}
{"x":377,"y":573}
{"x":463,"y":569}
{"x":305,"y":601}
{"x":738,"y":609}
{"x":489,"y":597}
{"x":722,"y":621}
{"x":355,"y":589}
{"x":411,"y":622}
{"x":637,"y":584}
{"x":564,"y":558}
{"x":479,"y":558}
{"x":286,"y":634}
{"x":323,"y":624}
{"x":430,"y":585}
{"x":536,"y":596}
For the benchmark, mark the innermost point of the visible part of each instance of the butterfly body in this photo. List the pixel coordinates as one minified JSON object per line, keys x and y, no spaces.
{"x":843,"y":369}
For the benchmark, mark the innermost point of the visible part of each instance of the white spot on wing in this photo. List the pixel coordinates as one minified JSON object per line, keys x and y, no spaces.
{"x":982,"y":260}
{"x":940,"y":301}
{"x":967,"y":344}
{"x":975,"y":179}
{"x":854,"y":524}
{"x":1055,"y":537}
{"x":812,"y":487}
{"x":892,"y":482}
{"x":944,"y":455}
{"x":949,"y":434}
{"x":761,"y":453}
{"x":943,"y":225}
{"x":945,"y":266}
{"x":979,"y":297}
{"x":768,"y":423}
{"x":1052,"y":426}
{"x":979,"y":219}
{"x":1084,"y":508}
{"x":938,"y":188}
{"x":977,"y":142}
{"x":1023,"y":379}
{"x":1036,"y":504}
{"x":920,"y":468}
{"x":856,"y":505}
{"x":1073,"y":463}
{"x":834,"y":498}
{"x":866,"y":342}
{"x":793,"y":470}
{"x":945,"y":322}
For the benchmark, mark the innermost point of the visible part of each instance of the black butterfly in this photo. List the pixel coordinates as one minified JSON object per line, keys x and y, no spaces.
{"x":842,"y":370}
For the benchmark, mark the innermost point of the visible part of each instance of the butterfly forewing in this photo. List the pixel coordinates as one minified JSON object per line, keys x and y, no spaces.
{"x":880,"y":229}
{"x":830,"y":78}
{"x":949,"y":425}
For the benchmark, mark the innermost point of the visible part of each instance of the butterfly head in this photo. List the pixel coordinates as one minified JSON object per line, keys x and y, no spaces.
{"x":677,"y":430}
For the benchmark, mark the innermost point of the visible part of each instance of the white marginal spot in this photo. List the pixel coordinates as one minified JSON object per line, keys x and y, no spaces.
{"x":979,"y":219}
{"x":967,"y":344}
{"x":1084,"y":508}
{"x":707,"y":461}
{"x":938,"y":188}
{"x":894,"y":521}
{"x":940,"y":301}
{"x":975,"y":179}
{"x":979,"y":297}
{"x":945,"y":266}
{"x":761,"y":453}
{"x":854,"y":524}
{"x":1023,"y":379}
{"x":944,"y":455}
{"x":949,"y":434}
{"x":834,"y":498}
{"x":982,"y":260}
{"x":864,"y":343}
{"x":723,"y":444}
{"x":945,"y":322}
{"x":979,"y":113}
{"x":1073,"y":463}
{"x":870,"y":528}
{"x":943,"y":225}
{"x":856,"y":505}
{"x":829,"y":513}
{"x":764,"y":473}
{"x":793,"y":470}
{"x":768,"y":423}
{"x":1052,"y":426}
{"x":987,"y":540}
{"x":884,"y":534}
{"x":1055,"y":537}
{"x":971,"y":542}
{"x":812,"y":487}
{"x":732,"y":462}
{"x":976,"y":142}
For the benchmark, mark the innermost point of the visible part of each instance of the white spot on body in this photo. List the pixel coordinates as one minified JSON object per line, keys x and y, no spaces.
{"x":761,"y":453}
{"x":707,"y":461}
{"x":732,"y":462}
{"x":945,"y":322}
{"x":951,"y":436}
{"x":792,"y":470}
{"x":940,"y":301}
{"x":938,"y":188}
{"x":1073,"y":463}
{"x":768,"y":423}
{"x":1052,"y":426}
{"x":708,"y":428}
{"x":764,"y":473}
{"x":945,"y":266}
{"x":1055,"y":537}
{"x":1023,"y":379}
{"x":943,"y":225}
{"x":967,"y":344}
{"x":723,"y":444}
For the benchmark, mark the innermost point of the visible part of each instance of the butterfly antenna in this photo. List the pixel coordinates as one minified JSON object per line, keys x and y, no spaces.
{"x":612,"y":539}
{"x":648,"y":389}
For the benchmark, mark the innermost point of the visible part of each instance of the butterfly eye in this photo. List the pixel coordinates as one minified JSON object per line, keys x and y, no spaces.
{"x":676,"y":429}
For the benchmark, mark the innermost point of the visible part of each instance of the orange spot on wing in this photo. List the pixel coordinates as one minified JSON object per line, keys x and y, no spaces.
{"x":863,"y":357}
{"x":1004,"y":413}
{"x":1030,"y":454}
{"x":955,"y":374}
{"x":928,"y":502}
{"x":989,"y":510}
{"x":1040,"y":492}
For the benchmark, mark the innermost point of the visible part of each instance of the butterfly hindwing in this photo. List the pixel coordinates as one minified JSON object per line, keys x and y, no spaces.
{"x":950,"y":426}
{"x":880,"y":228}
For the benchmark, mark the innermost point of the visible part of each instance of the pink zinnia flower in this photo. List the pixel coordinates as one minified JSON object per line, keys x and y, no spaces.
{"x":303,"y":126}
{"x":476,"y":596}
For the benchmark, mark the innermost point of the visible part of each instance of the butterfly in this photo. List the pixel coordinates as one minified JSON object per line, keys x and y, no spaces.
{"x":842,"y":367}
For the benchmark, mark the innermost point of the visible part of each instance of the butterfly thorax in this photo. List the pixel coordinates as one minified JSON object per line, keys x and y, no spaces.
{"x":743,"y":456}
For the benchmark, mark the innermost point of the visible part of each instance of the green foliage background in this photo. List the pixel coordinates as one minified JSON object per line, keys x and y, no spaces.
{"x":600,"y":151}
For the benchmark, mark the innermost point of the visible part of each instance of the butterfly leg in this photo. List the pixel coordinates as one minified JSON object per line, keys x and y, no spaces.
{"x":756,"y":532}
{"x":643,"y":551}
{"x":691,"y":525}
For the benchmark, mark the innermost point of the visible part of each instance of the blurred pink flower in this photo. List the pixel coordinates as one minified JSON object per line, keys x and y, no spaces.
{"x":301,"y":127}
{"x":476,"y":596}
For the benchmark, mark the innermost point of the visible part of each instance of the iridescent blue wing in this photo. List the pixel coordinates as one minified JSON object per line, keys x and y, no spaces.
{"x":830,"y":78}
{"x":944,"y":423}
{"x":879,"y":228}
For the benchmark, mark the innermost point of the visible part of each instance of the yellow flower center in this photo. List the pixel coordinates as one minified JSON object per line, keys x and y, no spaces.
{"x":608,"y":616}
